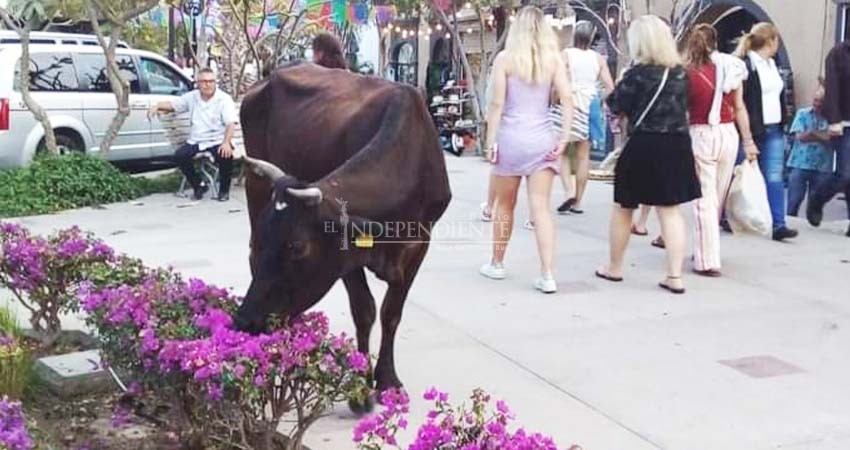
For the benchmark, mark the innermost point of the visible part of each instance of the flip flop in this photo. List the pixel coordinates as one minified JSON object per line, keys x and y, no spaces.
{"x":576,"y":210}
{"x":658,"y":242}
{"x":607,"y":277}
{"x":639,"y":233}
{"x":668,"y":288}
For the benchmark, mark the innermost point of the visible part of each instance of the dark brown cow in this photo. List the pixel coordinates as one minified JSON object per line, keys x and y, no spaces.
{"x":319,"y":139}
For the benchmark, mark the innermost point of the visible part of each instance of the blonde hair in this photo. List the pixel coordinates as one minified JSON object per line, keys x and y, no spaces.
{"x":532,"y":46}
{"x":651,"y":42}
{"x":759,"y":36}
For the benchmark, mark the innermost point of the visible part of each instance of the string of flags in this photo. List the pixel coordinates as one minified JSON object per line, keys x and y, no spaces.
{"x":323,"y":12}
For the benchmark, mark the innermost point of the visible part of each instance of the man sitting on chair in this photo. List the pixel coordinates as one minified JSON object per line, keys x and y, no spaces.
{"x":212,"y":122}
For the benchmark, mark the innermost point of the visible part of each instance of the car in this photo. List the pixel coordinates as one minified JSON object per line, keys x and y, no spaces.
{"x":70,"y":82}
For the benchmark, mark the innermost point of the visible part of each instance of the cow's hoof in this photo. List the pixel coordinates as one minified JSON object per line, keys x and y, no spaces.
{"x":362,"y":407}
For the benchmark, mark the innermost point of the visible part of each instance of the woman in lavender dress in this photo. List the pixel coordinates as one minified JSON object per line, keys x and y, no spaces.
{"x":521,"y":139}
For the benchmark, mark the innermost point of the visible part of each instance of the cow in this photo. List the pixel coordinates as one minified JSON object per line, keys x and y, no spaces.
{"x":337,"y":159}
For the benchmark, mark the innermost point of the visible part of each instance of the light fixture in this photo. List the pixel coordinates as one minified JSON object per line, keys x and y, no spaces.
{"x":439,"y":27}
{"x":448,"y":36}
{"x":397,"y":29}
{"x":469,"y":31}
{"x":468,"y":5}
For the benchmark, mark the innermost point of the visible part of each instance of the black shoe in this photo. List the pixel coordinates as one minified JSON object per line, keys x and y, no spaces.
{"x":200,"y":191}
{"x":724,"y":225}
{"x":223,"y":196}
{"x":566,"y":206}
{"x":814,"y":215}
{"x":780,"y":234}
{"x":848,"y":231}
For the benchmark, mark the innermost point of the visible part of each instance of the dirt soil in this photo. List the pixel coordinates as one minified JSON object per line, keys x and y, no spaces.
{"x":91,"y":423}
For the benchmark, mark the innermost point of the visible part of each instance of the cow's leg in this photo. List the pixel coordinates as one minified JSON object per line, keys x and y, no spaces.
{"x":363,"y":312}
{"x":391,"y":309}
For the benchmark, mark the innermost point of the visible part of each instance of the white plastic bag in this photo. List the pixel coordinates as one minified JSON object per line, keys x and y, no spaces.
{"x":747,"y":208}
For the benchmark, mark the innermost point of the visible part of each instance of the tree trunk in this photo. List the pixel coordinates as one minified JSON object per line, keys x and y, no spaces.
{"x":120,"y":87}
{"x":24,"y":85}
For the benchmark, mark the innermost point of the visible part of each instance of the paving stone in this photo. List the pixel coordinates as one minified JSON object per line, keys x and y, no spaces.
{"x":763,"y":366}
{"x":74,"y":374}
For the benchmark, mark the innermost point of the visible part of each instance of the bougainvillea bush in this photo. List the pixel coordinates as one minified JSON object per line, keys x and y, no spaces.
{"x":13,"y":426}
{"x":177,"y":338}
{"x":44,"y":274}
{"x":479,"y":427}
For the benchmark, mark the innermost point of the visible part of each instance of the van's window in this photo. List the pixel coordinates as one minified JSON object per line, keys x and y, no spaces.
{"x":32,"y":41}
{"x":67,"y":41}
{"x":163,"y":80}
{"x":90,"y":43}
{"x":91,"y":68}
{"x":50,"y":72}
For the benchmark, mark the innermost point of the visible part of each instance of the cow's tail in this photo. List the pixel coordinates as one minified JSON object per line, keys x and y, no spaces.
{"x":254,"y":117}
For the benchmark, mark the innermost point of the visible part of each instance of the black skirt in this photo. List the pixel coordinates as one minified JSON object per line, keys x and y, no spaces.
{"x":656,"y":169}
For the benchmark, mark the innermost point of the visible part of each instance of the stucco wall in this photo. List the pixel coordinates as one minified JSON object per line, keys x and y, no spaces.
{"x":807,"y":27}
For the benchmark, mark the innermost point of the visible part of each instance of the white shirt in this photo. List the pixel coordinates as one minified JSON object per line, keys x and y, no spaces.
{"x":584,"y":69}
{"x":207,"y":119}
{"x":771,"y":88}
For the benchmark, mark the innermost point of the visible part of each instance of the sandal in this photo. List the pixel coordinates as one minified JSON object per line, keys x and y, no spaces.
{"x":575,"y":210}
{"x":567,"y":206}
{"x":667,"y":287}
{"x":608,"y":277}
{"x":658,"y":242}
{"x":637,"y":232}
{"x":711,"y":273}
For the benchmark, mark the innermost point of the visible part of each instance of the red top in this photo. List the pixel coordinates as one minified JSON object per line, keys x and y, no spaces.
{"x":701,"y":82}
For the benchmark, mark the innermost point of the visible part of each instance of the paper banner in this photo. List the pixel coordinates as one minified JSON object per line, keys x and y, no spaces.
{"x":443,"y":4}
{"x":359,"y":13}
{"x":339,"y":7}
{"x":385,"y":14}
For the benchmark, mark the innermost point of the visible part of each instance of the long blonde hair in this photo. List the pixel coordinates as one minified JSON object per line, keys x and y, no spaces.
{"x":532,"y":46}
{"x":651,"y":42}
{"x":760,"y":35}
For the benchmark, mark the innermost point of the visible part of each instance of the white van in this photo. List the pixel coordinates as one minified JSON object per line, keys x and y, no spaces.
{"x":70,"y":82}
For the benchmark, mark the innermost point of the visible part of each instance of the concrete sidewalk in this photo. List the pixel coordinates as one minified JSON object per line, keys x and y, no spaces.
{"x":755,"y":360}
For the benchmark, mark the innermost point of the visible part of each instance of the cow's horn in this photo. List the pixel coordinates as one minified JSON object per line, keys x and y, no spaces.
{"x":312,"y":195}
{"x":265,"y":168}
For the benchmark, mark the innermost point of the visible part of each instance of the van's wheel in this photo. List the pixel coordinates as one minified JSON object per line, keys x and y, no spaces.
{"x":67,"y":142}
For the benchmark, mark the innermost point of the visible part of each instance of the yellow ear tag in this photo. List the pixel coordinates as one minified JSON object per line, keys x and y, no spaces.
{"x":364,"y":241}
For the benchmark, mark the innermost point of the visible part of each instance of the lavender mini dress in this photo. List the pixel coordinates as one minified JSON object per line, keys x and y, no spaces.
{"x":525,"y":134}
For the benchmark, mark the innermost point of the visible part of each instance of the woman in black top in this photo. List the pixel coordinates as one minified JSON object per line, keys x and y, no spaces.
{"x":765,"y":99}
{"x":657,"y":165}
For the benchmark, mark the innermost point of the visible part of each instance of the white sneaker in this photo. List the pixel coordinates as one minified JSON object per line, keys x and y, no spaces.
{"x":493,"y":271}
{"x":529,"y":225}
{"x":546,"y":284}
{"x":486,"y":213}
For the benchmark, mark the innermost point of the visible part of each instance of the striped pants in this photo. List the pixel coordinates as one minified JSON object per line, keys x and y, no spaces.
{"x":715,"y":149}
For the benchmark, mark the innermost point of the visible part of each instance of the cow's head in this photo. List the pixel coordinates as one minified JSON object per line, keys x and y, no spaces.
{"x":293,"y":252}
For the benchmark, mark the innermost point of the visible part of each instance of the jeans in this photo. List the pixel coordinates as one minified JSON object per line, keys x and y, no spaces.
{"x":801,"y":181}
{"x":771,"y":147}
{"x":840,"y":180}
{"x":184,"y":158}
